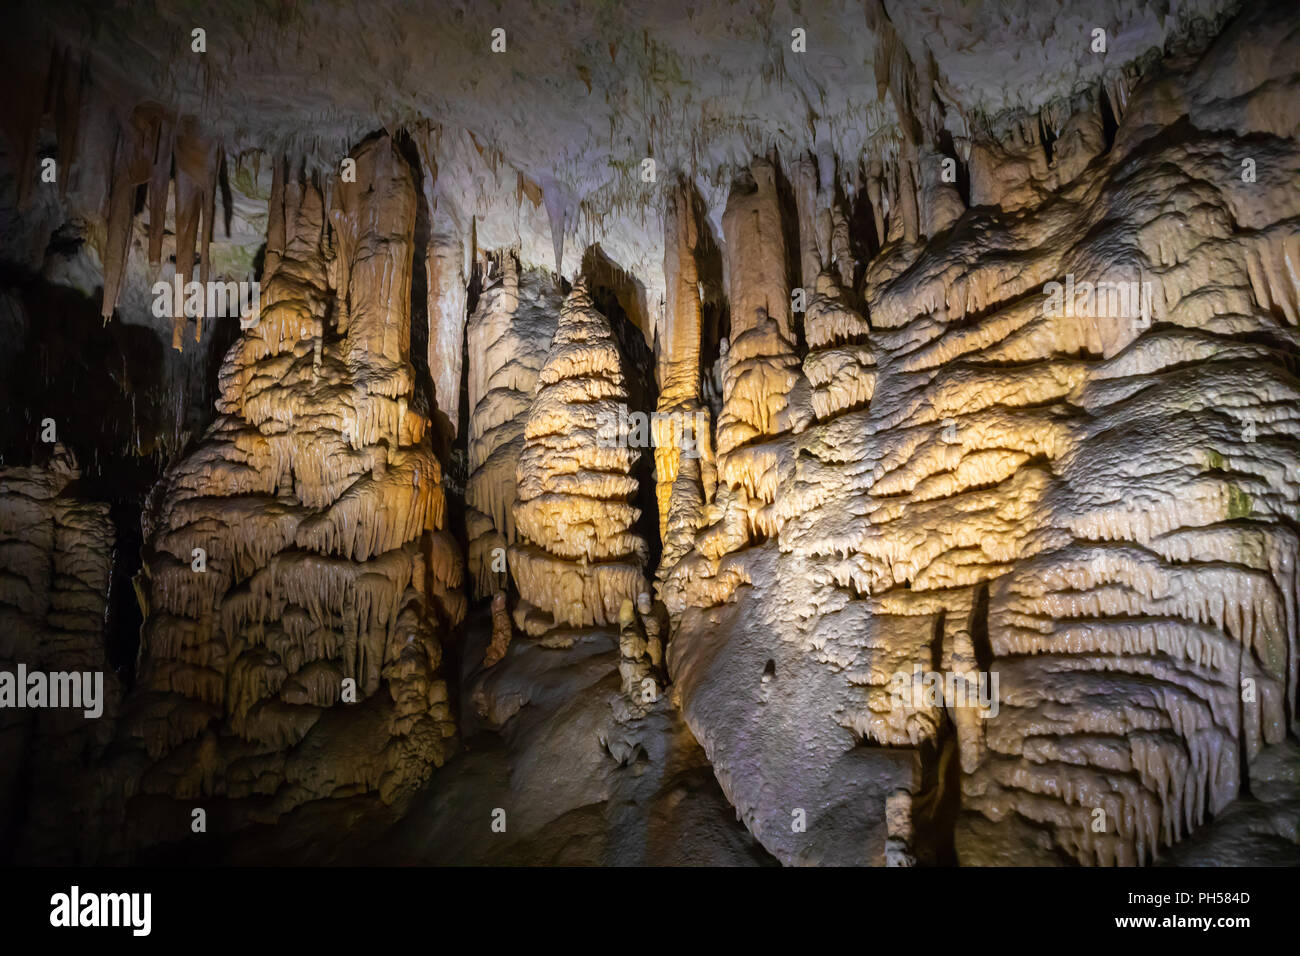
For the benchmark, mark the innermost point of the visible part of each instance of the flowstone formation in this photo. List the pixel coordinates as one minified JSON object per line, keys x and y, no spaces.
{"x":1065,"y":455}
{"x":296,"y":585}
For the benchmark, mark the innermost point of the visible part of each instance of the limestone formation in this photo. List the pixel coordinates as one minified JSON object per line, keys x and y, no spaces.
{"x":871,"y":433}
{"x":502,"y":631}
{"x":509,"y":337}
{"x":291,"y":644}
{"x":55,"y":563}
{"x":685,"y":471}
{"x":1064,"y":454}
{"x":579,"y":557}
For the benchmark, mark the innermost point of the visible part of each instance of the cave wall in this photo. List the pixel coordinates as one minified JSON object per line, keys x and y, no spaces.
{"x":946,"y":385}
{"x":1095,"y":501}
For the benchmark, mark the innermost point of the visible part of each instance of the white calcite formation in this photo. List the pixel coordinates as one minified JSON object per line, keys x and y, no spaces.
{"x":1091,"y":497}
{"x":579,"y":557}
{"x":296,"y":584}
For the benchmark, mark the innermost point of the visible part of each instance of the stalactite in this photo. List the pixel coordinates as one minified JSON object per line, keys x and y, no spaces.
{"x":875,"y":194}
{"x":682,"y":426}
{"x":1051,"y":441}
{"x":67,"y":115}
{"x":765,"y":396}
{"x":196,"y":159}
{"x":22,"y":111}
{"x":275,"y":231}
{"x":159,"y":176}
{"x":805,"y":184}
{"x":447,"y":285}
{"x":130,"y":171}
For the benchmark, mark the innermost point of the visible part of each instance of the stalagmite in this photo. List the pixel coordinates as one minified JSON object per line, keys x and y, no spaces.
{"x":681,"y":429}
{"x":762,"y":370}
{"x":766,"y":399}
{"x":839,"y":365}
{"x":966,"y":337}
{"x":579,"y":557}
{"x":636,"y":664}
{"x":502,"y":630}
{"x":55,"y":564}
{"x":308,"y":500}
{"x":509,"y":337}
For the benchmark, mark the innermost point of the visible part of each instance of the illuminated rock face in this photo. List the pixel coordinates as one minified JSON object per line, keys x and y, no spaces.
{"x":1090,"y":496}
{"x":579,"y":558}
{"x":954,"y":397}
{"x":685,"y":470}
{"x":296,"y":583}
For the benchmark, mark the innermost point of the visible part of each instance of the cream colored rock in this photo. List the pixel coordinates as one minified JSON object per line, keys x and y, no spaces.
{"x":579,"y":557}
{"x":685,"y":470}
{"x":1087,"y":491}
{"x":296,"y":583}
{"x":509,"y":337}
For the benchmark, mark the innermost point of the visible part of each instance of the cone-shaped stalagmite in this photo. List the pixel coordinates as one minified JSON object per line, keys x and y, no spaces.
{"x":579,"y":557}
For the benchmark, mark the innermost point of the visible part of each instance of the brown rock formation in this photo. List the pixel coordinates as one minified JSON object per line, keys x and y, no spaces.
{"x":55,"y":562}
{"x":579,"y":557}
{"x":291,"y":649}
